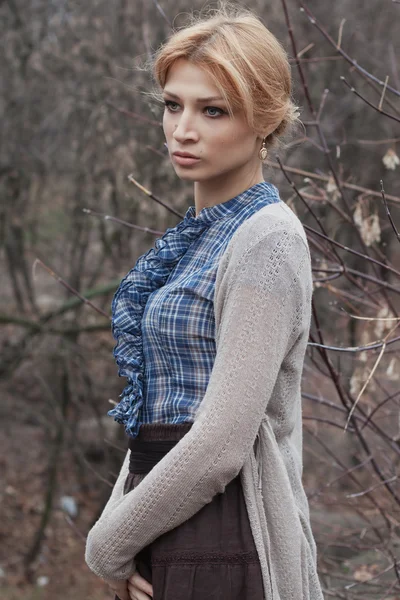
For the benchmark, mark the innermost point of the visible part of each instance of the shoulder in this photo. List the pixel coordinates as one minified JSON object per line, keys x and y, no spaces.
{"x":265,"y":227}
{"x":273,"y":217}
{"x":269,"y":242}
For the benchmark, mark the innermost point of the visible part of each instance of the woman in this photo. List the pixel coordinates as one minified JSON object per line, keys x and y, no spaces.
{"x":212,"y":327}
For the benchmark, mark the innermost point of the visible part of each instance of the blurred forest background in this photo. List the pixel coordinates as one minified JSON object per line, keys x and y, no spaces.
{"x":74,"y":125}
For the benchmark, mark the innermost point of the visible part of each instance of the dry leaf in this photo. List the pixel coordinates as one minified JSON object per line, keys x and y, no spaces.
{"x":384,"y":325}
{"x":391,"y":160}
{"x":393,"y":370}
{"x":368,"y":225}
{"x":332,"y":189}
{"x":365,"y":572}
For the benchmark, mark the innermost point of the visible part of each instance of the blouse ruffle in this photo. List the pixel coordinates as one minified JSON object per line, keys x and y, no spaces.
{"x":150,"y":272}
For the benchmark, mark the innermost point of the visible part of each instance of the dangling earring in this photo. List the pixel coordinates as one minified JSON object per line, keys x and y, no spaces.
{"x":263,"y":151}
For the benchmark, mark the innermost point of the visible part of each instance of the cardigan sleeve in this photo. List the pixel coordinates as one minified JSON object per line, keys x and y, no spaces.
{"x":259,"y":303}
{"x":118,"y":489}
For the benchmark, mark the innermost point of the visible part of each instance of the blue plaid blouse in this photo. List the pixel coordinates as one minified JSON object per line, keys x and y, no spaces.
{"x":163,"y":313}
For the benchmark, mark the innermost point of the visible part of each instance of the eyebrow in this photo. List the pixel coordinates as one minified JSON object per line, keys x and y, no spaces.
{"x":199,"y":100}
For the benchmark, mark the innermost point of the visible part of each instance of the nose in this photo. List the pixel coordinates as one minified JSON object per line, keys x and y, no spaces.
{"x":184,"y":130}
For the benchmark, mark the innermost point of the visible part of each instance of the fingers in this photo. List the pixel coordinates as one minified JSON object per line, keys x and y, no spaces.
{"x":139,"y":588}
{"x":136,"y":594}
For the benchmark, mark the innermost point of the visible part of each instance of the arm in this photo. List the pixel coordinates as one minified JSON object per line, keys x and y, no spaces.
{"x":118,"y":489}
{"x":262,"y":291}
{"x":116,"y":494}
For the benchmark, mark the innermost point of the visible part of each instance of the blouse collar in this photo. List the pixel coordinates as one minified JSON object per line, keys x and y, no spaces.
{"x":209,"y":214}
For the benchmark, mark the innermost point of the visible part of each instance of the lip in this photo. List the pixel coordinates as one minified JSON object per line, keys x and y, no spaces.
{"x":185,"y":154}
{"x":185,"y":160}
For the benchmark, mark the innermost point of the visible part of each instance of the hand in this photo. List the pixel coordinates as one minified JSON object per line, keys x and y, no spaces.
{"x":120,"y":587}
{"x":137,"y":586}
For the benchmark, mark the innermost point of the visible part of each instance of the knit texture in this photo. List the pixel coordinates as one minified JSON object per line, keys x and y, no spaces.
{"x":249,"y":421}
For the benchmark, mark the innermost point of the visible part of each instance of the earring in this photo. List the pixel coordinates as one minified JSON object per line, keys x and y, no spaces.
{"x":262,"y":155}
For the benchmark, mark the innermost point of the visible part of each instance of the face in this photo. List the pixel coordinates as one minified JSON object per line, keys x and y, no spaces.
{"x":203,"y":128}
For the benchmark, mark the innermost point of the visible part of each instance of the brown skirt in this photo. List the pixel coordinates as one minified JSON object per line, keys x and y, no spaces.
{"x":210,"y":556}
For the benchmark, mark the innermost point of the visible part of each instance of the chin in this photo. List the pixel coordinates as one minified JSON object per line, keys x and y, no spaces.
{"x":186,"y":176}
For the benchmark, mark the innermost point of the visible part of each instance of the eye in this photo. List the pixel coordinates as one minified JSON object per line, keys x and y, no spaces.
{"x":168,"y":104}
{"x":221,"y":112}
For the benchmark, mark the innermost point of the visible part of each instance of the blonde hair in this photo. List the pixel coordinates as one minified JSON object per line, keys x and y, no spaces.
{"x":248,"y":64}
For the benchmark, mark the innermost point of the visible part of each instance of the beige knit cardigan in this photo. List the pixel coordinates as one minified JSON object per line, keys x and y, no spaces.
{"x":249,"y":421}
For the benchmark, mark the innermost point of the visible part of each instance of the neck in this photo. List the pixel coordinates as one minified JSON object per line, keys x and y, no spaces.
{"x":224,"y":187}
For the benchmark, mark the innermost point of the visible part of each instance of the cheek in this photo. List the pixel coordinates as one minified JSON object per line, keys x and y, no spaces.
{"x":230,"y":142}
{"x":220,"y":138}
{"x":167,"y":125}
{"x":231,"y":135}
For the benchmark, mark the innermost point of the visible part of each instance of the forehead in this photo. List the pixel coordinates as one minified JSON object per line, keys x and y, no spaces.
{"x":186,"y":78}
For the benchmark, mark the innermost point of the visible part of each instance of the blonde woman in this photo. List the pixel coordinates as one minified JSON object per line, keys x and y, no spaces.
{"x":212,"y":326}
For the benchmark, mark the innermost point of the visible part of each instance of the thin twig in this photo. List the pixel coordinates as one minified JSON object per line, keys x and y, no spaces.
{"x":89,"y":211}
{"x":344,"y":184}
{"x":162,"y":12}
{"x":314,"y":21}
{"x":388,"y":213}
{"x":382,"y":112}
{"x":153,"y":197}
{"x":67,"y":286}
{"x":383,"y":93}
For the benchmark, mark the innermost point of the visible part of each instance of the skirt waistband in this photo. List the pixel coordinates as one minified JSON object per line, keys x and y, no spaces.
{"x":153,"y":442}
